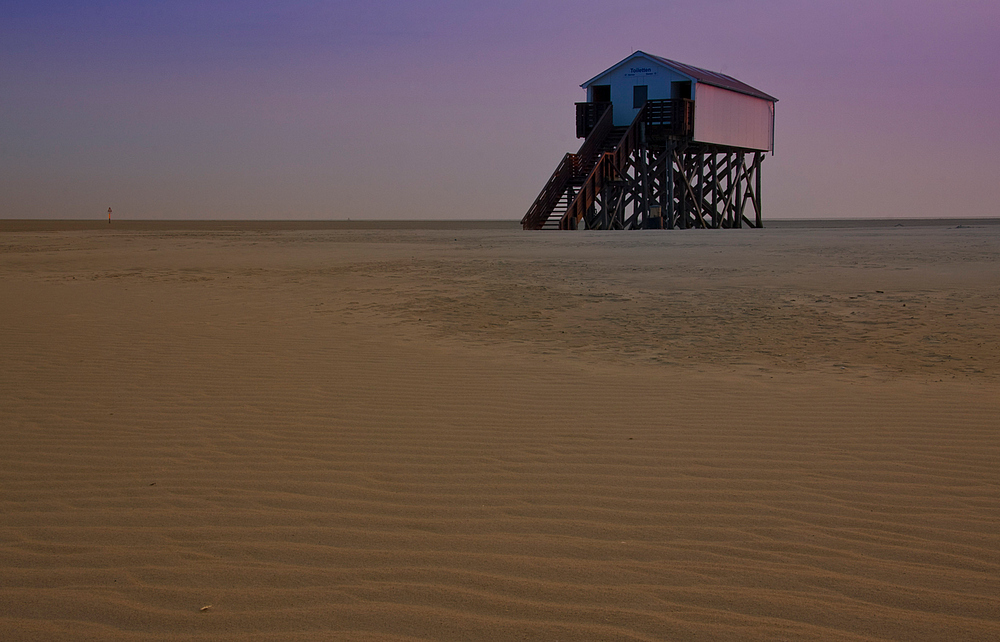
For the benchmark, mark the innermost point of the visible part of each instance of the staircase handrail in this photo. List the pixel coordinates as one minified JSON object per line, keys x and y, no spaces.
{"x":608,"y":163}
{"x":549,"y":197}
{"x":589,"y":151}
{"x":595,"y":168}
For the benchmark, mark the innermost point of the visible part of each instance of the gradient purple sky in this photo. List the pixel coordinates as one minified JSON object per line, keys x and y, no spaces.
{"x":455,"y":110}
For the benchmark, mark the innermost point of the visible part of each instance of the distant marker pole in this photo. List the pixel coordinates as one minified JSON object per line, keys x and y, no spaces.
{"x":109,"y":216}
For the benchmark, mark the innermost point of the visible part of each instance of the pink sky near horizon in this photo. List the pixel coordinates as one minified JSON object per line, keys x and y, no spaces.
{"x":445,"y":110}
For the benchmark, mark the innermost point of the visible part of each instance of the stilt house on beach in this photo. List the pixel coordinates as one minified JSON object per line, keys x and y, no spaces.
{"x":666,"y":145}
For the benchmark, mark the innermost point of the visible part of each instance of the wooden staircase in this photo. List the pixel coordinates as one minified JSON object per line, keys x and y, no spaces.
{"x":571,"y":174}
{"x":584,"y":166}
{"x":604,"y":157}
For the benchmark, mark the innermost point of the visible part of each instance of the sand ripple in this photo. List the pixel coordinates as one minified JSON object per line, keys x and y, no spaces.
{"x":318,"y":442}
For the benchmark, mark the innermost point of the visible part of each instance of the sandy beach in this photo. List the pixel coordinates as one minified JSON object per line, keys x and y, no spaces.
{"x":445,"y":432}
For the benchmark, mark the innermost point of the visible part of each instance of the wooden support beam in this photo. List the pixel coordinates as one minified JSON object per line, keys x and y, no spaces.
{"x":733,"y":190}
{"x":701,"y":188}
{"x":758,"y":160}
{"x":713,"y":170}
{"x":668,"y":178}
{"x":643,"y":150}
{"x":690,"y":191}
{"x":741,"y":163}
{"x":662,"y":194}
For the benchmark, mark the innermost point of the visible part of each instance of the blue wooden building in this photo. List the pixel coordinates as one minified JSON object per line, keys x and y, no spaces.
{"x":666,"y":145}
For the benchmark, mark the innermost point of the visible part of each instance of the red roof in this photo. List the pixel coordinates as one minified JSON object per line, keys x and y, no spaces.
{"x":713,"y":78}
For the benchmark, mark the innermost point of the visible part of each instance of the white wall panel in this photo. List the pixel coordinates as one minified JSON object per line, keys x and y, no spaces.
{"x":623,"y":78}
{"x":724,"y":117}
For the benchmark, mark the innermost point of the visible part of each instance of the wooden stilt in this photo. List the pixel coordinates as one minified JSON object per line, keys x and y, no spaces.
{"x":740,"y":159}
{"x":668,"y":180}
{"x":758,"y":160}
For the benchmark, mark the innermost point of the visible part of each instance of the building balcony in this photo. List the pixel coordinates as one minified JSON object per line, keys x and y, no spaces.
{"x":673,"y":117}
{"x":587,"y":115}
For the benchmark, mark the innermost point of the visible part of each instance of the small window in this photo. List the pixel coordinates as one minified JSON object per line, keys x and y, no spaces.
{"x":639,"y":95}
{"x":602,"y":93}
{"x":680,"y":89}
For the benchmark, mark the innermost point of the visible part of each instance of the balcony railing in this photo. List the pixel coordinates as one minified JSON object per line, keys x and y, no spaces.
{"x":587,"y":117}
{"x":674,"y":117}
